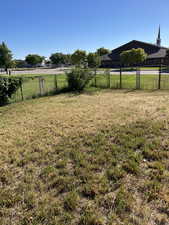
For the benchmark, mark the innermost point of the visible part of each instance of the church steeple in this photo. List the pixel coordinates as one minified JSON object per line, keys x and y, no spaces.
{"x":159,"y":37}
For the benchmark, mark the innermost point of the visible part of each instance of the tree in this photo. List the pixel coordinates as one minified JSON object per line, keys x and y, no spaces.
{"x":94,"y":60}
{"x":34,"y":59}
{"x":102,"y":51}
{"x":67,"y":59}
{"x":133,"y":56}
{"x":79,"y":57}
{"x":5,"y":56}
{"x":57,"y":58}
{"x":60,"y":59}
{"x":19,"y":63}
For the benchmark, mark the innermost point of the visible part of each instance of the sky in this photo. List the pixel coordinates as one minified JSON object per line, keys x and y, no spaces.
{"x":47,"y":26}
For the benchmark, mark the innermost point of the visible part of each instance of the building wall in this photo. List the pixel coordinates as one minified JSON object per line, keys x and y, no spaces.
{"x":148,"y":62}
{"x":148,"y":48}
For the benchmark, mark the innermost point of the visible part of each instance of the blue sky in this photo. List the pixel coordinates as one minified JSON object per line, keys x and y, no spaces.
{"x":45,"y":27}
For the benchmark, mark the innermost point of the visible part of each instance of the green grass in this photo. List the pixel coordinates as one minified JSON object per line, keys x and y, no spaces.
{"x":98,"y":159}
{"x":147,"y":81}
{"x":150,"y":68}
{"x":31,"y":88}
{"x":142,"y":68}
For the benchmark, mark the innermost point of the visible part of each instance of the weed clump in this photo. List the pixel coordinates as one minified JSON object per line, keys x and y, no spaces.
{"x":71,"y":201}
{"x":115,"y":174}
{"x":152,"y":189}
{"x":91,"y":218}
{"x":131,"y":166}
{"x":123,"y":202}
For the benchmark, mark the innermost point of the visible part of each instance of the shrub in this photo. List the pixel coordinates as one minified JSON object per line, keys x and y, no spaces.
{"x":78,"y":79}
{"x":8,"y":86}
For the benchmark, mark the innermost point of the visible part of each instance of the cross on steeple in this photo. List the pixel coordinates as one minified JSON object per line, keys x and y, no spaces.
{"x":159,"y":37}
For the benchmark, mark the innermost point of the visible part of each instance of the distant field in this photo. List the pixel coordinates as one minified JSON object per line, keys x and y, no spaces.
{"x":100,"y":158}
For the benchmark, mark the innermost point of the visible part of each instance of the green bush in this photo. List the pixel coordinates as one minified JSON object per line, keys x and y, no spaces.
{"x":8,"y":86}
{"x":78,"y":79}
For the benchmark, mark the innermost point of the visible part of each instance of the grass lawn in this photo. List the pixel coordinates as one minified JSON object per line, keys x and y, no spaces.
{"x":143,"y":68}
{"x":100,"y":158}
{"x":150,"y":68}
{"x":147,"y":81}
{"x":31,"y":85}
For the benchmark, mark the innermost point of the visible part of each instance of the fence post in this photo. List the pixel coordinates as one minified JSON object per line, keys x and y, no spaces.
{"x":120,"y":77}
{"x":159,"y":78}
{"x":138,"y":78}
{"x":56,"y":82}
{"x":40,"y":86}
{"x":21,"y":88}
{"x":108,"y":78}
{"x":95,"y":73}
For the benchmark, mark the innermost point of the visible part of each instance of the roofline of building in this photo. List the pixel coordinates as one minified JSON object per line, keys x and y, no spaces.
{"x":140,"y":42}
{"x":151,"y":44}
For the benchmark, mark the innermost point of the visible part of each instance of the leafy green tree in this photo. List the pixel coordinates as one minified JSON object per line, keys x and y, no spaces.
{"x":5,"y":56}
{"x":102,"y":51}
{"x":133,"y":56}
{"x":19,"y":63}
{"x":57,"y":58}
{"x":67,"y":59}
{"x":94,"y":60}
{"x":34,"y":59}
{"x":79,"y":58}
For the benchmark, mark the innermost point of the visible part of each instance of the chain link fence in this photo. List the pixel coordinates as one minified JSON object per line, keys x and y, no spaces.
{"x":136,"y":79}
{"x":43,"y":85}
{"x":37,"y":86}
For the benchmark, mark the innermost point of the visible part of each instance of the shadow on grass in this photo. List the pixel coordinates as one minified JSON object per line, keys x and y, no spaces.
{"x":140,"y":90}
{"x":88,"y":91}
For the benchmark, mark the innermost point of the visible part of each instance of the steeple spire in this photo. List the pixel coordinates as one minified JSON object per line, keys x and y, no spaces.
{"x":159,"y":37}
